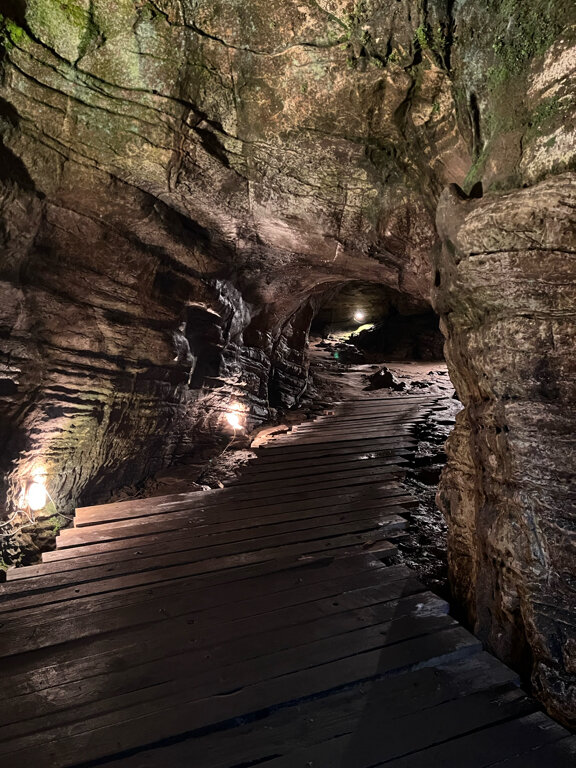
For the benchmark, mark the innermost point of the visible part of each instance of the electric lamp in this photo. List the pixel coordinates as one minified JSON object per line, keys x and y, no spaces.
{"x":37,"y":495}
{"x":234,"y":416}
{"x":234,"y":420}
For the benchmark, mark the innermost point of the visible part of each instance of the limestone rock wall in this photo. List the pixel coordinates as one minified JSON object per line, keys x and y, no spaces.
{"x":507,"y":293}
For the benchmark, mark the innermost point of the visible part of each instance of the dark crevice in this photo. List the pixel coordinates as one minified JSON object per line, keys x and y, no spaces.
{"x":12,"y":169}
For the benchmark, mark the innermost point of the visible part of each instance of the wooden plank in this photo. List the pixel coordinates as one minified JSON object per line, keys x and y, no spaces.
{"x":220,"y":504}
{"x":261,"y":466}
{"x":267,"y":452}
{"x":239,"y":499}
{"x":371,"y":744}
{"x":355,"y":426}
{"x":60,"y":587}
{"x":288,"y":729}
{"x":529,"y":741}
{"x":384,"y":494}
{"x":92,"y":617}
{"x":310,"y":468}
{"x":351,"y":420}
{"x":27,"y":673}
{"x":322,"y":480}
{"x":193,"y":662}
{"x":164,"y":717}
{"x":125,"y":549}
{"x":203,"y":545}
{"x":345,"y":437}
{"x":123,"y":534}
{"x":329,"y":447}
{"x":281,"y":579}
{"x":342,"y":448}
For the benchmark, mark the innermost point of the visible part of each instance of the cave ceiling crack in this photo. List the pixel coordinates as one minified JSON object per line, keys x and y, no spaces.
{"x":265,"y":54}
{"x":95,"y":83}
{"x":71,"y":98}
{"x":90,"y":86}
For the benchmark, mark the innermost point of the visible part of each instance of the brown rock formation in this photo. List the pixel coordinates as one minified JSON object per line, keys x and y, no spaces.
{"x":181,"y":181}
{"x":507,"y":293}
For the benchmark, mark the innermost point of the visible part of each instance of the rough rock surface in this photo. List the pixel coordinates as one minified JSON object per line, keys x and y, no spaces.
{"x":181,"y":180}
{"x":507,"y":293}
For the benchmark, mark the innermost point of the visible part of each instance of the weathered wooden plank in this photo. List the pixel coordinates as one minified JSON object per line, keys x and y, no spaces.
{"x":329,"y":447}
{"x":66,"y":586}
{"x":244,"y":499}
{"x":344,"y":437}
{"x":281,"y":502}
{"x":133,"y":611}
{"x":134,"y":529}
{"x":135,"y":644}
{"x":353,"y":427}
{"x":206,"y":664}
{"x":276,"y":580}
{"x":529,"y":741}
{"x":204,"y":545}
{"x":376,"y":742}
{"x":386,"y":519}
{"x":263,"y":467}
{"x":269,"y":453}
{"x":288,"y":729}
{"x":323,"y":480}
{"x":312,"y":469}
{"x":160,"y":718}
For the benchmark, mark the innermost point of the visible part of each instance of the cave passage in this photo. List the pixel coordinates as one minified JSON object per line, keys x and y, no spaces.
{"x":218,"y":221}
{"x":371,"y":341}
{"x":381,"y":321}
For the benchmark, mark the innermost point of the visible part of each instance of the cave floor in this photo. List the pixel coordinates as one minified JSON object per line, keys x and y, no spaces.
{"x":266,"y":623}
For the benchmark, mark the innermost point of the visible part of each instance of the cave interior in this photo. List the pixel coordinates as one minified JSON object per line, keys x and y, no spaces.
{"x":192,"y":194}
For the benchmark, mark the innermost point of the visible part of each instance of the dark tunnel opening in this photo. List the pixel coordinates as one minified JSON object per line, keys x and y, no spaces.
{"x":380,"y":321}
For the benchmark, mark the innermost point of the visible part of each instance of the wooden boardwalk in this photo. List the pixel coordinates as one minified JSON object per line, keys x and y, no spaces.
{"x":259,"y":625}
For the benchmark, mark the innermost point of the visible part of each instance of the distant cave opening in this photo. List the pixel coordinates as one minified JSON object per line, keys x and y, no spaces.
{"x":380,"y":321}
{"x":371,"y":341}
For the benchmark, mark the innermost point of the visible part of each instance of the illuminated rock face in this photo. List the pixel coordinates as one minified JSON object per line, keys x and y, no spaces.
{"x":181,"y":181}
{"x":507,"y":291}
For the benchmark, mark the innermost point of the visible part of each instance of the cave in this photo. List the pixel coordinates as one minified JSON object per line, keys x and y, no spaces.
{"x":380,"y":320}
{"x":196,"y":196}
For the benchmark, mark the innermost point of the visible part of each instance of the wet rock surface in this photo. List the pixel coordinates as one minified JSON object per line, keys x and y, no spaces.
{"x":425,"y":548}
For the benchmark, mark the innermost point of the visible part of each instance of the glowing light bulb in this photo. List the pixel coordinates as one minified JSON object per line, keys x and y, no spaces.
{"x":36,"y":496}
{"x":233,"y":417}
{"x":359,"y":316}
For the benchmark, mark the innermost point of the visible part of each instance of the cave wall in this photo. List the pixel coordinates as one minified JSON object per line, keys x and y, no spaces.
{"x":158,"y":157}
{"x":507,"y":294}
{"x":213,"y":163}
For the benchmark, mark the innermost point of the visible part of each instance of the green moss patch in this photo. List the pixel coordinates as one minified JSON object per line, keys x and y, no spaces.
{"x":524,"y":30}
{"x":66,"y":26}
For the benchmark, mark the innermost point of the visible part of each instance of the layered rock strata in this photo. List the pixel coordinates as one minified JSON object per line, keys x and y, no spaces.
{"x":507,"y":294}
